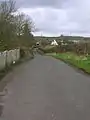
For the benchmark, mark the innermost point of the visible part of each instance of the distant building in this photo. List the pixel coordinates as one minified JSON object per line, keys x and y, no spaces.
{"x":75,"y":41}
{"x":54,"y":42}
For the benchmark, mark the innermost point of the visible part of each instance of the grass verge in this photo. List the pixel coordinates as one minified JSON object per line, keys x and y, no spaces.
{"x":81,"y":62}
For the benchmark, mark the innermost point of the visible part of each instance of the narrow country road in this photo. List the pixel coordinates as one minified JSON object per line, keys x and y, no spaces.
{"x":47,"y":89}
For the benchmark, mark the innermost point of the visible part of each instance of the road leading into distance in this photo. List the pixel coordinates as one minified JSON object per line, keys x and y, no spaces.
{"x":47,"y":89}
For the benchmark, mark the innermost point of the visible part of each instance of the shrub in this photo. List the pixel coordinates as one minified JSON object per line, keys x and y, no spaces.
{"x":22,"y":53}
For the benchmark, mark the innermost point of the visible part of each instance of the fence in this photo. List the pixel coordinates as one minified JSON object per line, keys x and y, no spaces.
{"x":9,"y":57}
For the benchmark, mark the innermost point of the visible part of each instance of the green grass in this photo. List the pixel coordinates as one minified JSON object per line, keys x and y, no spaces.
{"x":78,"y":61}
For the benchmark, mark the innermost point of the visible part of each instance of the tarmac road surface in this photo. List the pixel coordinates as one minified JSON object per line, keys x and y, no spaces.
{"x":47,"y":89}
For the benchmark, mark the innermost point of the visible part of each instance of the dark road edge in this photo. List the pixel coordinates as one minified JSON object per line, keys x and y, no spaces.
{"x":3,"y":82}
{"x":9,"y":69}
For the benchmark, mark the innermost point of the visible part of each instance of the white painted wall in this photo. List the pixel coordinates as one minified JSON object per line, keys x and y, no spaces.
{"x":8,"y":57}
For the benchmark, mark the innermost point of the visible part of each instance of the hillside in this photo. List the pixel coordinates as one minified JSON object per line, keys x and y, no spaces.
{"x":37,"y":38}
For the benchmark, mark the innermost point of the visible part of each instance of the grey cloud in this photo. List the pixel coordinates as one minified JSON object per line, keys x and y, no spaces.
{"x":71,"y":17}
{"x":41,"y":3}
{"x":58,"y":16}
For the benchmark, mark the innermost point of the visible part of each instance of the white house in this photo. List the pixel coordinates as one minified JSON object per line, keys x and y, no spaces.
{"x":54,"y":42}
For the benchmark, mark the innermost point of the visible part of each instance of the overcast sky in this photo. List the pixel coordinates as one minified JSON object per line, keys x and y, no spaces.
{"x":55,"y":17}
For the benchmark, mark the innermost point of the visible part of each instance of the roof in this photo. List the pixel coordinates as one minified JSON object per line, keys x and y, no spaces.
{"x":54,"y":42}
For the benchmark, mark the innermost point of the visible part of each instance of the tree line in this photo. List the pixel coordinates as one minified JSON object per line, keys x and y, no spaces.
{"x":15,"y":28}
{"x":67,"y":44}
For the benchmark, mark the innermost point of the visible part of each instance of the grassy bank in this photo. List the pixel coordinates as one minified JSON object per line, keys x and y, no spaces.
{"x":81,"y":62}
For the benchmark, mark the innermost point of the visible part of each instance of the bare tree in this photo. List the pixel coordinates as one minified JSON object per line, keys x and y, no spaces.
{"x":7,"y":27}
{"x":15,"y":29}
